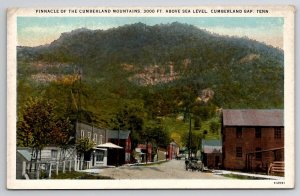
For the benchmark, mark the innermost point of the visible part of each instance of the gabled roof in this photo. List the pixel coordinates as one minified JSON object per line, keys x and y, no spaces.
{"x":252,"y":117}
{"x":88,"y":127}
{"x":25,"y":154}
{"x":212,"y":146}
{"x":114,"y":134}
{"x":211,"y":142}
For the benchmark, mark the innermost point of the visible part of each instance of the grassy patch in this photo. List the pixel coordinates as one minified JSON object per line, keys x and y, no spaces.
{"x":178,"y":127}
{"x":242,"y":177}
{"x":78,"y":175}
{"x":210,"y":134}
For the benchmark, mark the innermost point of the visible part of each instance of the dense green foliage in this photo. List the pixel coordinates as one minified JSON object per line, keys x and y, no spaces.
{"x":39,"y":126}
{"x":93,"y":75}
{"x":84,"y":145}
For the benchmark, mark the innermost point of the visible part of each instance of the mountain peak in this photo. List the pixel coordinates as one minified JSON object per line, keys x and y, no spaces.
{"x":140,"y":54}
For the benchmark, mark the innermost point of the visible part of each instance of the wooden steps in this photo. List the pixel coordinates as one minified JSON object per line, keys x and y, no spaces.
{"x":276,"y":168}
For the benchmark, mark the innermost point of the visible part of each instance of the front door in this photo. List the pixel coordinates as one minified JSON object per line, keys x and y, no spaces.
{"x":93,"y":159}
{"x":217,"y":160}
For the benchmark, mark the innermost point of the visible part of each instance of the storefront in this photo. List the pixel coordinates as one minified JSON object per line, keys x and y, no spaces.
{"x":99,"y":157}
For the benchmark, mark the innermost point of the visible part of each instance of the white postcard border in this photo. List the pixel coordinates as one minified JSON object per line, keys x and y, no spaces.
{"x":279,"y":11}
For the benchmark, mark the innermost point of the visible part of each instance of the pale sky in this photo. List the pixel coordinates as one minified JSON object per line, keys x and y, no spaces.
{"x":35,"y":31}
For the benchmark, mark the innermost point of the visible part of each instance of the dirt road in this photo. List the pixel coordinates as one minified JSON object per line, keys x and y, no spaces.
{"x":174,"y":169}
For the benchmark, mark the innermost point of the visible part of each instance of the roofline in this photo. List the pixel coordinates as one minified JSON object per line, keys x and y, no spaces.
{"x":251,"y":126}
{"x":95,"y":126}
{"x":227,"y":117}
{"x":273,"y":109}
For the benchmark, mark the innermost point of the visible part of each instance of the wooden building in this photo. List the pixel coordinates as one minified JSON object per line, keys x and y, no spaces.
{"x":173,"y":150}
{"x":144,"y":153}
{"x":102,"y":156}
{"x":23,"y":155}
{"x":252,"y":139}
{"x":98,"y":156}
{"x":120,"y":138}
{"x":99,"y":136}
{"x":212,"y":153}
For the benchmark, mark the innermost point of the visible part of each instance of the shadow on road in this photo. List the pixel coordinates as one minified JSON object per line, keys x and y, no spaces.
{"x":141,"y":168}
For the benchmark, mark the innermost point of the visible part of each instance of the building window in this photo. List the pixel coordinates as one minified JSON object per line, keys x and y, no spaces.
{"x":100,"y":141}
{"x":239,"y":132}
{"x":277,"y":133}
{"x":100,"y":156}
{"x":258,"y":132}
{"x":89,"y":135}
{"x":239,"y":152}
{"x":258,"y":155}
{"x":127,"y":157}
{"x":54,"y":154}
{"x":279,"y":155}
{"x":82,"y":134}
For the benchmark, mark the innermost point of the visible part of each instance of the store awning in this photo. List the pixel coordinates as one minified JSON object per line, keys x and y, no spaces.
{"x":109,"y":145}
{"x":99,"y":148}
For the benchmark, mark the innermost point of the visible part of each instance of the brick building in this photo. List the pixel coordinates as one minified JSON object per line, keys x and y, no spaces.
{"x":252,"y":139}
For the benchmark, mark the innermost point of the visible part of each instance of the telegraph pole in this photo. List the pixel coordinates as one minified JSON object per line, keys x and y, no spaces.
{"x":190,"y":134}
{"x":118,"y":154}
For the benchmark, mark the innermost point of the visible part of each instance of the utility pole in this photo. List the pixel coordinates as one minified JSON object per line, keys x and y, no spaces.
{"x":118,"y":154}
{"x":146,"y":151}
{"x":119,"y":135}
{"x":157,"y":153}
{"x":190,"y":134}
{"x":79,"y":94}
{"x":158,"y":141}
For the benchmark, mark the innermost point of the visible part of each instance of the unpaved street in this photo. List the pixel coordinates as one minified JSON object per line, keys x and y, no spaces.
{"x":174,"y":169}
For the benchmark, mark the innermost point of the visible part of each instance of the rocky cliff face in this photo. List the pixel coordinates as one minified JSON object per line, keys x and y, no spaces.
{"x":241,"y":72}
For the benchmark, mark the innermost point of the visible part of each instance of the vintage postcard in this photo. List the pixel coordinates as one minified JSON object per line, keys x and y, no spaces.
{"x":150,"y":97}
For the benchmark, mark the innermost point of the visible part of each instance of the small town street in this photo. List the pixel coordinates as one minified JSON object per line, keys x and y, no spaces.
{"x":174,"y":169}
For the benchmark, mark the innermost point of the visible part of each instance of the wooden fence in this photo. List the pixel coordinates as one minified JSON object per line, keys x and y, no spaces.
{"x":46,"y":169}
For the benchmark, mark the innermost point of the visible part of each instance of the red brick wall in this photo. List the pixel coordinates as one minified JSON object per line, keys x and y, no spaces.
{"x":249,"y":143}
{"x":172,"y":151}
{"x":128,"y":145}
{"x":143,"y":147}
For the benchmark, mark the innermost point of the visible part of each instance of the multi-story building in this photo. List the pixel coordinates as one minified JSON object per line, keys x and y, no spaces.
{"x":104,"y":153}
{"x":252,"y":139}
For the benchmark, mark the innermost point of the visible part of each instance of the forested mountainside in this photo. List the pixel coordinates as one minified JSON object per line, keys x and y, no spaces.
{"x":152,"y":72}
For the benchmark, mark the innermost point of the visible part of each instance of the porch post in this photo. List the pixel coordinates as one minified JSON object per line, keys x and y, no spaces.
{"x":75,"y":164}
{"x":50,"y":170}
{"x":64,"y":166}
{"x":24,"y":168}
{"x":81,"y":165}
{"x":57,"y":168}
{"x":70,"y":165}
{"x":38,"y":171}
